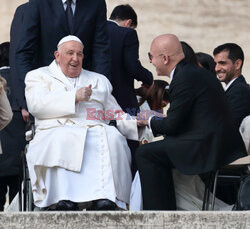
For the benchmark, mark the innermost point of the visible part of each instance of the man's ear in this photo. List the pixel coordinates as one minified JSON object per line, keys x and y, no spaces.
{"x":56,"y":54}
{"x":128,"y":23}
{"x":238,"y":64}
{"x":165,"y":59}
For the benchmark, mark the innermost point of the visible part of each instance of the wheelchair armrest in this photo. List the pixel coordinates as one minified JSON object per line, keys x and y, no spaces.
{"x":113,"y":123}
{"x":30,"y":133}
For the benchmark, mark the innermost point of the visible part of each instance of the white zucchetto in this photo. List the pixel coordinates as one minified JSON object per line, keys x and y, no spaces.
{"x":69,"y":38}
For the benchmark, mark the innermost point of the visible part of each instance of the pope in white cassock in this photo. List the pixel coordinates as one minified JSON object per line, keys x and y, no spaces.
{"x":76,"y":156}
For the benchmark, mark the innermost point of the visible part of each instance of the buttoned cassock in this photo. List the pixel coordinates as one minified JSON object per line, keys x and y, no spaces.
{"x":62,"y":127}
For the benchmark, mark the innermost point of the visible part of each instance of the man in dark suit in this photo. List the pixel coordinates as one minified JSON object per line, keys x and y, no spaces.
{"x":47,"y":21}
{"x":126,"y":66}
{"x":18,"y":102}
{"x":229,"y":60}
{"x":198,"y":127}
{"x":12,"y":137}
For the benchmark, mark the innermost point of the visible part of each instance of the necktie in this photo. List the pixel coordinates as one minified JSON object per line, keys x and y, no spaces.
{"x":69,"y":16}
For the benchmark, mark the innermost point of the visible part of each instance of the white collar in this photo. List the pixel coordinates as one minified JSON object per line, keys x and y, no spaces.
{"x":4,"y":67}
{"x":113,"y":21}
{"x":230,"y":83}
{"x":73,"y":1}
{"x":172,"y":74}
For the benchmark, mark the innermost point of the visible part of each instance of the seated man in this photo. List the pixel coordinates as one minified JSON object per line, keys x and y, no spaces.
{"x":199,"y":131}
{"x":75,"y":155}
{"x":229,"y":59}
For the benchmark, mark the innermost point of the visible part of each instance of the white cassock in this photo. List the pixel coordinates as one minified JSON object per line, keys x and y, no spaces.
{"x":75,"y":155}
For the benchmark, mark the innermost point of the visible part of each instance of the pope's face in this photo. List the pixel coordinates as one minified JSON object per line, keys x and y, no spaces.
{"x":69,"y":57}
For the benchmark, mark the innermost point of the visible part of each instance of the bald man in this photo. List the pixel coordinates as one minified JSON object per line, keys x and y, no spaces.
{"x":198,"y":128}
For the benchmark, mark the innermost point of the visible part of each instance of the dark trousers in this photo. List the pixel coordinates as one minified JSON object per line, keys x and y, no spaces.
{"x":155,"y":171}
{"x":13,"y":183}
{"x":133,"y":145}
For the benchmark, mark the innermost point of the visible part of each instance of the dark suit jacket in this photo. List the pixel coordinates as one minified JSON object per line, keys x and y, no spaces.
{"x":12,"y":136}
{"x":238,"y":96}
{"x":15,"y":32}
{"x":200,"y":135}
{"x":45,"y":24}
{"x":126,"y":66}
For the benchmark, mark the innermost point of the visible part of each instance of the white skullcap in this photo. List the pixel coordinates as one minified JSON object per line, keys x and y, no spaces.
{"x":69,"y":38}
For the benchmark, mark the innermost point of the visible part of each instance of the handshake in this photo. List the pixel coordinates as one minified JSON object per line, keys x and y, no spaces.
{"x":143,"y":117}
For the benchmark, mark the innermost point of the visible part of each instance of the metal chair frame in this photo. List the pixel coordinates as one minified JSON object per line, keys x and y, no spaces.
{"x":230,"y":173}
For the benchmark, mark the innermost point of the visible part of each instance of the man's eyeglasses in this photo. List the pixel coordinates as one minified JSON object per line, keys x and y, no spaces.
{"x":150,"y":56}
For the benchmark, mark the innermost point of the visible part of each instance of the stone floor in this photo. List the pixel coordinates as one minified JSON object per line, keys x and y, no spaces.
{"x":130,"y":220}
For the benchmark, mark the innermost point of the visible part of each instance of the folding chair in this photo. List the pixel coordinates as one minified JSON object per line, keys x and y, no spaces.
{"x":230,"y":173}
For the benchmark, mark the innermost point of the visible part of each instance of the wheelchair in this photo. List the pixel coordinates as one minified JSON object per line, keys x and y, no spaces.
{"x":26,"y":202}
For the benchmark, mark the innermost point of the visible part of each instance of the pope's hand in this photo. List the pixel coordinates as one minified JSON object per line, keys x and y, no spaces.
{"x":83,"y":93}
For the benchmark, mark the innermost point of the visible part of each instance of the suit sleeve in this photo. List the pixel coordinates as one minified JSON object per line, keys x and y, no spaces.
{"x":15,"y":30}
{"x":182,"y":97}
{"x":126,"y":124}
{"x":101,"y":44}
{"x":131,"y":59}
{"x":240,"y":104}
{"x":26,"y":49}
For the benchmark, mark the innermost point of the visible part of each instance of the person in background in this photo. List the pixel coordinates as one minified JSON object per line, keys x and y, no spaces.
{"x":5,"y":109}
{"x":189,"y":53}
{"x":5,"y":118}
{"x":12,"y":136}
{"x":206,"y":61}
{"x":125,"y":65}
{"x":229,"y":59}
{"x":156,"y":97}
{"x":18,"y":102}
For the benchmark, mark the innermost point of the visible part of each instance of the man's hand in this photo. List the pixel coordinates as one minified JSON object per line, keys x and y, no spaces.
{"x":83,"y":93}
{"x":25,"y":115}
{"x":142,"y":118}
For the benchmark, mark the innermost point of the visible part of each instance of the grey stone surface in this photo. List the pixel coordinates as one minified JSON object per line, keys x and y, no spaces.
{"x":122,"y":220}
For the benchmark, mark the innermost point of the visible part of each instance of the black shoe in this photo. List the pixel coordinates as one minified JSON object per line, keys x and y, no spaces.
{"x":103,"y":205}
{"x":66,"y":205}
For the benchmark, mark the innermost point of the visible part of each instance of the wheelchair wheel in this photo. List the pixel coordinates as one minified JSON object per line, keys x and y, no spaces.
{"x":27,"y":197}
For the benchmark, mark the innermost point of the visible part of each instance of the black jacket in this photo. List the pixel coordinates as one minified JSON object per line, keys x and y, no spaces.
{"x":199,"y":129}
{"x":238,"y":96}
{"x":126,"y":66}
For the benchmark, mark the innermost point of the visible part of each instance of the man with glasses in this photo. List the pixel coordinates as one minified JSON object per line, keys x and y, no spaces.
{"x":198,"y":127}
{"x":126,"y":67}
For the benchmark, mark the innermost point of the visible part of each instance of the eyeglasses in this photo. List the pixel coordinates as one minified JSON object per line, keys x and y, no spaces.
{"x":150,"y":56}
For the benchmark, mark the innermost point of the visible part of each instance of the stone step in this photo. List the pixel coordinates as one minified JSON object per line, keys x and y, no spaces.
{"x":130,"y":220}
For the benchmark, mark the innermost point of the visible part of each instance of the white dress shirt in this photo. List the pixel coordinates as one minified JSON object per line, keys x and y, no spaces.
{"x":229,"y":84}
{"x":73,"y":5}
